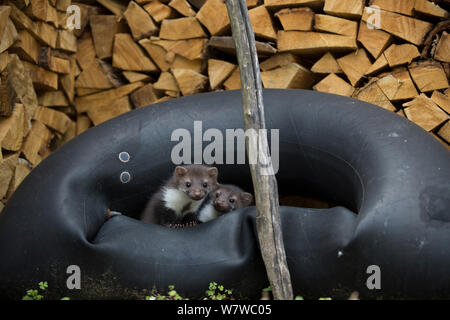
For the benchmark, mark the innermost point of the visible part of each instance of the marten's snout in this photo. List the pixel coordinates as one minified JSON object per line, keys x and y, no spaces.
{"x":196,"y":194}
{"x":222,"y":205}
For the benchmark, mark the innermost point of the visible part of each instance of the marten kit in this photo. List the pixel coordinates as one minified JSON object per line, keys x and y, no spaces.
{"x":193,"y":195}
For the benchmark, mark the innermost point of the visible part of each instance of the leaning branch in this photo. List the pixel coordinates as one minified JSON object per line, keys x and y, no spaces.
{"x":268,"y":222}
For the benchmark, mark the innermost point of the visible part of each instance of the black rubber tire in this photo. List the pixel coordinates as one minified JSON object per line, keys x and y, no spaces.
{"x":390,"y":176}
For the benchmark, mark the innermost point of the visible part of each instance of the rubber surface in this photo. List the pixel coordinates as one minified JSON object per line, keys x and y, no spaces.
{"x":391,"y":178}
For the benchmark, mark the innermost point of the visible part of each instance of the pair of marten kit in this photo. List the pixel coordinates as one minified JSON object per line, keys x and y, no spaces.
{"x":191,"y":196}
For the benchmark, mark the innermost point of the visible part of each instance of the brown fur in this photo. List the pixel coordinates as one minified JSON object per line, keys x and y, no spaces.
{"x":190,"y":180}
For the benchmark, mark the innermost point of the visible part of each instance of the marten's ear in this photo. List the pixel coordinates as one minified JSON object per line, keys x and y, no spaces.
{"x":246,"y":198}
{"x":180,"y":171}
{"x":212,"y":172}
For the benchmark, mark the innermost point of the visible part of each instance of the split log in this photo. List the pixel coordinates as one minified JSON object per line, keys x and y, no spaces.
{"x":442,"y":52}
{"x":159,"y":11}
{"x":102,"y":113}
{"x":180,"y":62}
{"x":428,"y":76}
{"x":86,"y":91}
{"x":103,"y":28}
{"x":276,"y":4}
{"x":442,"y":100}
{"x":399,"y":6}
{"x":375,"y":41}
{"x":21,"y":169}
{"x":12,"y":129}
{"x":181,"y":29}
{"x":397,"y":85}
{"x":326,"y":64}
{"x":143,"y":96}
{"x":355,"y":65}
{"x":67,"y":81}
{"x":190,"y":49}
{"x":36,"y":142}
{"x":6,"y":174}
{"x":372,"y":93}
{"x":46,"y":33}
{"x":234,"y":81}
{"x":64,"y":138}
{"x":297,"y":19}
{"x":52,"y":62}
{"x":313,"y":42}
{"x":83,"y":123}
{"x":83,"y":104}
{"x":132,"y":76}
{"x":290,"y":76}
{"x":4,"y":18}
{"x":26,"y":47}
{"x":183,"y":7}
{"x":7,"y":95}
{"x":226,"y":45}
{"x":42,"y":79}
{"x":261,"y":22}
{"x":21,"y":83}
{"x":428,"y":8}
{"x":334,"y":84}
{"x":189,"y":81}
{"x":86,"y":52}
{"x":3,"y":60}
{"x":351,"y":9}
{"x":66,"y":41}
{"x":53,"y":119}
{"x":444,"y":132}
{"x":157,"y":53}
{"x":9,"y":36}
{"x":115,"y":6}
{"x":93,"y":77}
{"x":53,"y":99}
{"x":278,"y":60}
{"x":168,"y":84}
{"x":139,"y":21}
{"x":218,"y":72}
{"x":213,"y":15}
{"x":379,"y":65}
{"x":425,"y":113}
{"x":335,"y":25}
{"x":407,"y":28}
{"x":397,"y":55}
{"x":127,"y":55}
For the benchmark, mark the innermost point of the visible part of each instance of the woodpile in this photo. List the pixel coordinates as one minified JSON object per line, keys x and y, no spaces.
{"x":68,"y":65}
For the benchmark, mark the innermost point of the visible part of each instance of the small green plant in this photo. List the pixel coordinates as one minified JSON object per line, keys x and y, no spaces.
{"x":43,"y":285}
{"x":38,"y":294}
{"x":172,"y":294}
{"x":218,"y":292}
{"x":35,"y":294}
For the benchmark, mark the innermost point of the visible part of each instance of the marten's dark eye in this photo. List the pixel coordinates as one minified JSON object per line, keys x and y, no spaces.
{"x":217,"y":195}
{"x":231,"y":200}
{"x":188,"y":184}
{"x":205,"y":185}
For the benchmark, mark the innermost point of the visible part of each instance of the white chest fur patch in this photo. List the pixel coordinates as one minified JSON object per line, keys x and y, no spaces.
{"x":207,"y":213}
{"x":178,"y":200}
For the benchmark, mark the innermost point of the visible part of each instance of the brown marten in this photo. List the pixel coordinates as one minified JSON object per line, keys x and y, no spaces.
{"x":178,"y":200}
{"x":223,"y":199}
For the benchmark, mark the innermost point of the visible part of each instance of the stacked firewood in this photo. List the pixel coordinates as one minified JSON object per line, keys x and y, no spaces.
{"x":66,"y":66}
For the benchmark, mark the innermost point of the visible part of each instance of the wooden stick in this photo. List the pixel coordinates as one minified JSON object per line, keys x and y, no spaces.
{"x":268,"y":223}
